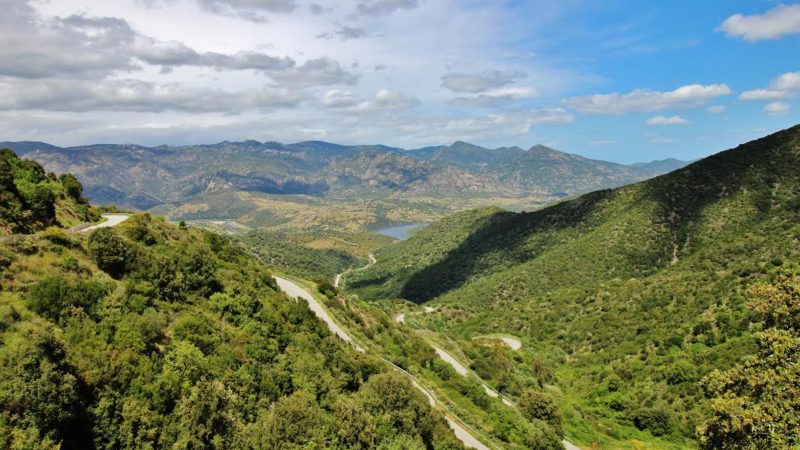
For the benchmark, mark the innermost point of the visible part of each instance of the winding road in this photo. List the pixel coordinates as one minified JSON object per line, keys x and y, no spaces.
{"x":293,"y":290}
{"x":460,"y":429}
{"x":338,"y":279}
{"x":112,"y":220}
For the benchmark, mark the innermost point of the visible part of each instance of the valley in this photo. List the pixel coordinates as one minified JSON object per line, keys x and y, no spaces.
{"x":477,"y":312}
{"x":399,"y":225}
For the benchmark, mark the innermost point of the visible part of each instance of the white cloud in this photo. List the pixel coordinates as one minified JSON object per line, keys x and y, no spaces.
{"x":603,"y":142}
{"x":138,"y":96}
{"x":779,"y":21}
{"x":663,"y":120}
{"x":119,"y":62}
{"x":384,"y":99}
{"x":497,"y":97}
{"x":520,"y":122}
{"x":474,"y":83}
{"x":777,"y":108}
{"x":384,"y":7}
{"x":716,"y":109}
{"x":784,"y":86}
{"x":642,"y":100}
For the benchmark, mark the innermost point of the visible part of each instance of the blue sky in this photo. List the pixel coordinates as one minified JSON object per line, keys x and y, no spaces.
{"x":616,"y":80}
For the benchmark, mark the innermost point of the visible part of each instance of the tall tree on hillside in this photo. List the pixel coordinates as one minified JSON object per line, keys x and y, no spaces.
{"x":757,"y":404}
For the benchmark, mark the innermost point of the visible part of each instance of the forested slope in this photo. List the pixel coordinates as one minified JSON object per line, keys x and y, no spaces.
{"x":31,"y":199}
{"x":149,"y":335}
{"x":632,"y":294}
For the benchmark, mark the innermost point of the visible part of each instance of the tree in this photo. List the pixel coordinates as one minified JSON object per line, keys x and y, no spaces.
{"x":294,"y":422}
{"x":354,"y":426}
{"x":110,"y":251}
{"x":40,"y":390}
{"x":397,"y":406}
{"x":72,"y":187}
{"x":208,"y":419}
{"x":52,"y":295}
{"x":535,"y":405}
{"x":757,"y":404}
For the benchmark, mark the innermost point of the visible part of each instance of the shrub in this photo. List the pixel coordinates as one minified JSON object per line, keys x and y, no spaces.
{"x":72,"y":187}
{"x":656,"y":420}
{"x":52,"y":295}
{"x":110,"y":251}
{"x":326,"y":288}
{"x":537,"y":405}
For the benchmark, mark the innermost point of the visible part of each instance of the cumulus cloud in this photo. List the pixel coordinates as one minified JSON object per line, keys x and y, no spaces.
{"x":384,"y":100}
{"x":779,"y":21}
{"x":520,"y":122}
{"x":384,"y":7}
{"x":784,"y":86}
{"x":716,"y":109}
{"x":643,"y":100}
{"x":777,"y":108}
{"x":137,"y":96}
{"x":34,"y":48}
{"x":258,"y":5}
{"x":496,"y":97}
{"x":480,"y":82}
{"x":663,"y":120}
{"x":252,"y":10}
{"x":79,"y":46}
{"x":315,"y":72}
{"x":344,"y":33}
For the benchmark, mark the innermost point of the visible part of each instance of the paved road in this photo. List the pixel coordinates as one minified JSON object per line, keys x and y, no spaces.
{"x":112,"y":220}
{"x":460,"y":431}
{"x":464,"y":436}
{"x":401,"y":318}
{"x":446,"y":357}
{"x":293,"y":290}
{"x":338,"y":279}
{"x":514,"y":343}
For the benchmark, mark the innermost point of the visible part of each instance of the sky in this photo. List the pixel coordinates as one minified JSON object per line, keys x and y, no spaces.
{"x":619,"y":80}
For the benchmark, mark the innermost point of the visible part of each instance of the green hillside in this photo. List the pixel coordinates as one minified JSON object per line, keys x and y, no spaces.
{"x":32,"y":199}
{"x":630,"y":295}
{"x":150,"y":335}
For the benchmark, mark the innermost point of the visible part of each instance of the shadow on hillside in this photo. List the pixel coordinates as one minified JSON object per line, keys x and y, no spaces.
{"x":756,"y":166}
{"x":505,"y":238}
{"x":499,"y":242}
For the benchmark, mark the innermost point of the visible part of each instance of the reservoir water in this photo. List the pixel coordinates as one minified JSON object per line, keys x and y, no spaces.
{"x":401,"y":232}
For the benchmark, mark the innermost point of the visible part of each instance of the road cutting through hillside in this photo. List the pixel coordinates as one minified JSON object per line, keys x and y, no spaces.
{"x":401,"y":318}
{"x":461,"y":432}
{"x":459,"y":428}
{"x":295,"y":291}
{"x":112,"y":220}
{"x":338,"y":278}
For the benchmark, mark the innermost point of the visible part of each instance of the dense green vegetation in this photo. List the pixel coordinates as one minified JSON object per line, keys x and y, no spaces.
{"x":31,"y":199}
{"x":628,"y":296}
{"x":538,"y":426}
{"x":289,"y":253}
{"x":149,"y":335}
{"x":757,"y":404}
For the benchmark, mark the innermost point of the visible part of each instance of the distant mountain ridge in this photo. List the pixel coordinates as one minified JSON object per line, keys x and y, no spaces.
{"x":275,"y":184}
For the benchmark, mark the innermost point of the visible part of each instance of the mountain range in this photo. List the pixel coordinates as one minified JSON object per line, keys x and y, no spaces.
{"x":196,"y":181}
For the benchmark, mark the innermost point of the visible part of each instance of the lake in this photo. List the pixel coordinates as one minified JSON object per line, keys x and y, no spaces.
{"x":401,"y":232}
